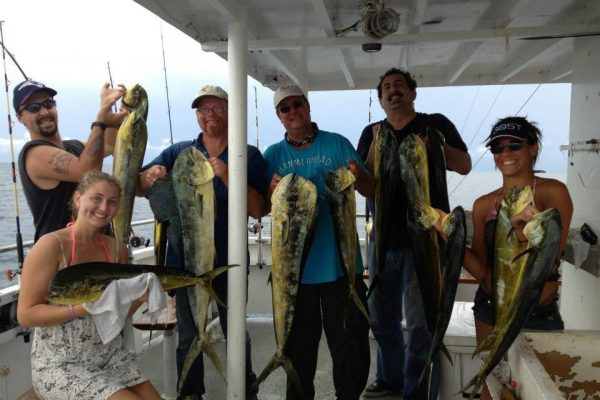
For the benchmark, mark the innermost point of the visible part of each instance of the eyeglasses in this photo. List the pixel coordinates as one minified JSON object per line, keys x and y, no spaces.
{"x":513,"y":146}
{"x":215,"y":109}
{"x":36,"y":107}
{"x":286,"y":109}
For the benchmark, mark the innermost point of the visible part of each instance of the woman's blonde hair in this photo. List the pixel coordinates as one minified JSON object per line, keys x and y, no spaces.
{"x":88,"y":180}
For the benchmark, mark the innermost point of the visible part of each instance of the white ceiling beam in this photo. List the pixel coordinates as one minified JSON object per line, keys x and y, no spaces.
{"x":499,"y":12}
{"x":400,"y":39}
{"x":326,"y":23}
{"x":526,"y":58}
{"x":227,"y":8}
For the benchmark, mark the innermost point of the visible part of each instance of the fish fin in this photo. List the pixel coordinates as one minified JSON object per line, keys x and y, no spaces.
{"x":523,"y":253}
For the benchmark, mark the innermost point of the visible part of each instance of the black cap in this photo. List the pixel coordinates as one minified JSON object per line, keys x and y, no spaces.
{"x":25,"y":89}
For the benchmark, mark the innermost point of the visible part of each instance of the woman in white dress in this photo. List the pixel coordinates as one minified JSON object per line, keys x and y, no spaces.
{"x":68,"y":359}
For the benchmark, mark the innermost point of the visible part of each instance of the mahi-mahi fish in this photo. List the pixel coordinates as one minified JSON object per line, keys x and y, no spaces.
{"x":543,"y":234}
{"x":455,"y":229}
{"x":387,"y":192}
{"x":339,"y":189}
{"x":414,"y":172}
{"x":82,"y":283}
{"x":130,"y":147}
{"x":192,"y":177}
{"x":293,"y":215}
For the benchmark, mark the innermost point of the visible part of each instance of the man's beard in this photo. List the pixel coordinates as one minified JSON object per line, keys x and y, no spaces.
{"x":49,"y":133}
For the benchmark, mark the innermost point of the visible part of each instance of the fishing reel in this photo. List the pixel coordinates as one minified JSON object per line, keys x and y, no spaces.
{"x":255,"y":227}
{"x":138,"y":241}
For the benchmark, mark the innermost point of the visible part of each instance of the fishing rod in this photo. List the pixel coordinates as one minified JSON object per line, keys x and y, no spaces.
{"x":166,"y":83}
{"x":19,"y":237}
{"x":367,"y":212}
{"x":257,"y":227}
{"x":5,"y":51}
{"x":111,"y":81}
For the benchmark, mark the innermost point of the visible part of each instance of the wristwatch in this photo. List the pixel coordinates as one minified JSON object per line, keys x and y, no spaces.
{"x":99,"y":124}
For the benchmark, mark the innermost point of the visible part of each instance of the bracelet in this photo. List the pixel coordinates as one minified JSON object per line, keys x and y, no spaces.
{"x":72,"y":313}
{"x":99,"y":124}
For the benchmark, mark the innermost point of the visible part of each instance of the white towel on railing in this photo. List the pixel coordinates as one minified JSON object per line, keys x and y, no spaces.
{"x":109,"y":312}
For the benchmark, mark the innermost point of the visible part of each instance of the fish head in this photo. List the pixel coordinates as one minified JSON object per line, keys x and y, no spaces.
{"x":340,"y":179}
{"x":136,"y":98}
{"x":517,"y":199}
{"x":541,"y":225}
{"x":192,"y":168}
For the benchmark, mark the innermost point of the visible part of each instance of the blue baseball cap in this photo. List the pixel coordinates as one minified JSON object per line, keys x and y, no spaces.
{"x":25,"y":89}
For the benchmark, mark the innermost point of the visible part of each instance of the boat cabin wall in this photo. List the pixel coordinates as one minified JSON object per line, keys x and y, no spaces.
{"x":580,"y":289}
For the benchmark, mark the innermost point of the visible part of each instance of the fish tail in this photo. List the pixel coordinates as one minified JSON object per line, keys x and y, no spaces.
{"x":206,"y":281}
{"x":359,"y":304}
{"x":485,"y":343}
{"x":293,"y":376}
{"x":208,"y":349}
{"x":447,"y":354}
{"x":475,"y":383}
{"x":374,"y":284}
{"x":193,"y":352}
{"x":275,"y":362}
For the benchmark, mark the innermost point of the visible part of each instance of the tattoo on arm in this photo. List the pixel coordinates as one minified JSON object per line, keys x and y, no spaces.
{"x":96,"y":147}
{"x":59,"y":162}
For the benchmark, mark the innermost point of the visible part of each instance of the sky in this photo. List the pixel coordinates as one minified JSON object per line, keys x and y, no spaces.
{"x":67,"y":44}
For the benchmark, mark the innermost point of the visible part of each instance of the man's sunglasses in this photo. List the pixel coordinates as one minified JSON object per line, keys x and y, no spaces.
{"x":513,"y":146}
{"x":36,"y":107}
{"x":286,"y":109}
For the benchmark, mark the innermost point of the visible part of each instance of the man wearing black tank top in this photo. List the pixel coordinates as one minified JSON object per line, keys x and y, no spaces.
{"x":399,"y":369}
{"x":50,"y":167}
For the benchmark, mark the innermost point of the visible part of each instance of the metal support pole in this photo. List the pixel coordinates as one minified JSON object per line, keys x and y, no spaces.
{"x":238,"y":210}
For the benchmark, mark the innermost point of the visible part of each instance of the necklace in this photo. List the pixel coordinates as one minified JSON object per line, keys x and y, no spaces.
{"x":304,"y":140}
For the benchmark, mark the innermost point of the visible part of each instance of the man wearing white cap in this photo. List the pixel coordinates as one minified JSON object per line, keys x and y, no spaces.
{"x":50,"y":167}
{"x":211,"y":112}
{"x":322,"y":301}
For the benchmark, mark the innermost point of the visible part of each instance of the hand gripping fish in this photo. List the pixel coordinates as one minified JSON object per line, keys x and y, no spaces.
{"x":543,"y":234}
{"x":130,"y":147}
{"x":339,"y":189}
{"x":293,"y":215}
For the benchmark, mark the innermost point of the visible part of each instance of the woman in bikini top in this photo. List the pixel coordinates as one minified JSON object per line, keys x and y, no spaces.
{"x":515,"y":145}
{"x":95,"y":203}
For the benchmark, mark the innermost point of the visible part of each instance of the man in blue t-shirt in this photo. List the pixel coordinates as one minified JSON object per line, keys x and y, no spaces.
{"x":323,"y":291}
{"x":211,"y":112}
{"x":399,"y":369}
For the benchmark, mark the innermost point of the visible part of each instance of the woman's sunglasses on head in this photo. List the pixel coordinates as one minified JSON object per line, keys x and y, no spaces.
{"x":36,"y":107}
{"x":512,"y":146}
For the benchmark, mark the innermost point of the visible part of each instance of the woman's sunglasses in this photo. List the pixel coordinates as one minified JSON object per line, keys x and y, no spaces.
{"x":286,"y":109}
{"x":36,"y":107}
{"x":513,"y":146}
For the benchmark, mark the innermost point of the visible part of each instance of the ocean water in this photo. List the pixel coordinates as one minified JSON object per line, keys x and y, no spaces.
{"x":463,"y":190}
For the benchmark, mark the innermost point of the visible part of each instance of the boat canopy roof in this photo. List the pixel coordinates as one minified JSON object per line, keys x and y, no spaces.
{"x":320,"y":44}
